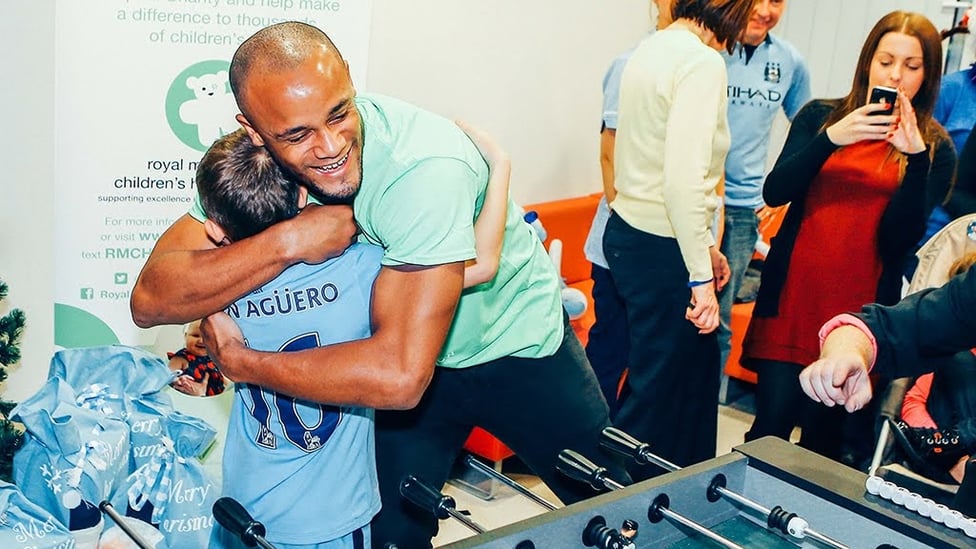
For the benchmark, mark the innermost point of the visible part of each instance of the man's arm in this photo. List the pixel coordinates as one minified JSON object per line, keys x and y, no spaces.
{"x":931,"y":322}
{"x":412,"y":311}
{"x":608,"y":138}
{"x":188,"y":277}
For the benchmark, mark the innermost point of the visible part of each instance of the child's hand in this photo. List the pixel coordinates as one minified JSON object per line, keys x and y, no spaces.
{"x":494,"y":155}
{"x":188,"y":386}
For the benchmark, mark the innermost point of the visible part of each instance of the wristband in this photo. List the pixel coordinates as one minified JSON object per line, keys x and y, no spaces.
{"x":694,"y":283}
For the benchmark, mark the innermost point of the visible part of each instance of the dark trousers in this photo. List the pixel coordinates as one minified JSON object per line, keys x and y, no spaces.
{"x":831,"y":432}
{"x":537,"y":407}
{"x":670,"y":398}
{"x":609,"y":340}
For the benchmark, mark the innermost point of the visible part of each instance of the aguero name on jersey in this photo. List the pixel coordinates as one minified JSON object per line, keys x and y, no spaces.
{"x":280,"y":448}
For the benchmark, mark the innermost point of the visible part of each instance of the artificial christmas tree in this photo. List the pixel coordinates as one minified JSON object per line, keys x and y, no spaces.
{"x":11,"y":435}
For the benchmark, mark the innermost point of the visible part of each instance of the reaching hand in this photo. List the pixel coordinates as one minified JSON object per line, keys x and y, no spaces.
{"x":487,"y":146}
{"x":905,"y":135}
{"x":861,"y":125}
{"x":840,"y":379}
{"x":188,"y":386}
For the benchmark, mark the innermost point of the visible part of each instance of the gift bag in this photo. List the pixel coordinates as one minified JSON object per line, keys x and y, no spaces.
{"x":172,"y":491}
{"x":150,"y":422}
{"x":70,"y":454}
{"x":25,"y":525}
{"x":122,"y":382}
{"x":135,"y":373}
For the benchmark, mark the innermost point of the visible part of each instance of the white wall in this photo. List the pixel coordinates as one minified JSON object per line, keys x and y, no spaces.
{"x":26,"y":211}
{"x":526,"y":70}
{"x":529,"y":71}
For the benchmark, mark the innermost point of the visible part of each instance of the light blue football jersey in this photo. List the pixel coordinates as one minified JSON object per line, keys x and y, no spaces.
{"x":306,"y":471}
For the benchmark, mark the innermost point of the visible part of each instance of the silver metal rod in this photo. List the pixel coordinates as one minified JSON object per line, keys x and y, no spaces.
{"x":879,"y":448}
{"x":825,"y":540}
{"x":612,"y":484}
{"x":118,"y":519}
{"x":744,"y":501}
{"x":477,"y":464}
{"x":660,"y":462}
{"x":263,"y":542}
{"x":806,"y":532}
{"x":465,"y":520}
{"x":671,"y":515}
{"x":726,"y":493}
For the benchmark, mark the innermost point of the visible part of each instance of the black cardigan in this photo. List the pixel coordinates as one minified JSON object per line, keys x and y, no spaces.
{"x":929,"y":323}
{"x":902,"y":223}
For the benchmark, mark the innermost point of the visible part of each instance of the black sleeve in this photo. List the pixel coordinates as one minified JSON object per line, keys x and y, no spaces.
{"x":932,"y":322}
{"x":903,"y":221}
{"x":963,"y":199}
{"x":804,"y":153}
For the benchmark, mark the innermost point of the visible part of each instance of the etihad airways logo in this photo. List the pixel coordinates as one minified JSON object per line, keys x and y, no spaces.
{"x":769,"y":98}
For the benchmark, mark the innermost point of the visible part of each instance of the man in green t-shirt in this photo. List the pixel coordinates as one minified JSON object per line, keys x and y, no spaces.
{"x":508,"y":361}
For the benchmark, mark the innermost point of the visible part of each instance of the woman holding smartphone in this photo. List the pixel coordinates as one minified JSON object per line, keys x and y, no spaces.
{"x":860,"y":182}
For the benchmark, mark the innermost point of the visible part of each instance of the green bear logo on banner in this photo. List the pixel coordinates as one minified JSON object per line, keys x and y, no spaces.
{"x":200,"y":106}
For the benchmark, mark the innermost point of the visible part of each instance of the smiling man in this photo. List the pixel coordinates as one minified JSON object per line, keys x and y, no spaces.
{"x":507,"y":360}
{"x":766,"y":74}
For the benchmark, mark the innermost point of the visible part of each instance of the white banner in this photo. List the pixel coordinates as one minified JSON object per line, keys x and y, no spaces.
{"x":141,"y":92}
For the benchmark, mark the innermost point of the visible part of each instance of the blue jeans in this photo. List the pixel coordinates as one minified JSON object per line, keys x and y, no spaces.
{"x":738,"y":244}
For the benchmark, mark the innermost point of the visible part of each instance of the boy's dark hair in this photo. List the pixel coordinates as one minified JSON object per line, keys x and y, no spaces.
{"x":242,"y":188}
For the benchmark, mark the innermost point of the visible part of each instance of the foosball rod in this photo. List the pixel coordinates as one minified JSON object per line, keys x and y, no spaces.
{"x":577,"y":467}
{"x":442,"y":506}
{"x":477,"y":464}
{"x":229,"y":513}
{"x":790,"y":524}
{"x":107,"y":508}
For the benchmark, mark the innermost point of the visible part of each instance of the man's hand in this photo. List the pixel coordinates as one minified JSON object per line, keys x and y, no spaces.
{"x":841,"y":374}
{"x":842,"y":380}
{"x":223,"y":339}
{"x":720,"y":268}
{"x":318,"y":233}
{"x":187,"y":276}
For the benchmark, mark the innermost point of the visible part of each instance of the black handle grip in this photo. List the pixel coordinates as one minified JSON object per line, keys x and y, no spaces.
{"x":577,"y":467}
{"x":420,"y":494}
{"x":231,"y":515}
{"x":615,"y":440}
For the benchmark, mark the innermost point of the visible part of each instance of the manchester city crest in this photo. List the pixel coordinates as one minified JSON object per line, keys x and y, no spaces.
{"x":772,"y":72}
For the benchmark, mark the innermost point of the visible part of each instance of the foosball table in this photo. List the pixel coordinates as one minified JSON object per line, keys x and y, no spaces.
{"x":753,"y":497}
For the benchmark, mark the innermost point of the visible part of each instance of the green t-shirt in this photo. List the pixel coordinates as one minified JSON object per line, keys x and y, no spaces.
{"x":423,"y":186}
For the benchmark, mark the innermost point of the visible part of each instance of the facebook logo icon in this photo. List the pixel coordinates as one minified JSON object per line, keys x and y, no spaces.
{"x":88,"y":293}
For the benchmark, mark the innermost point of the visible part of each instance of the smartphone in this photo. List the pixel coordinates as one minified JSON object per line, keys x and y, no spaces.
{"x":882,"y":94}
